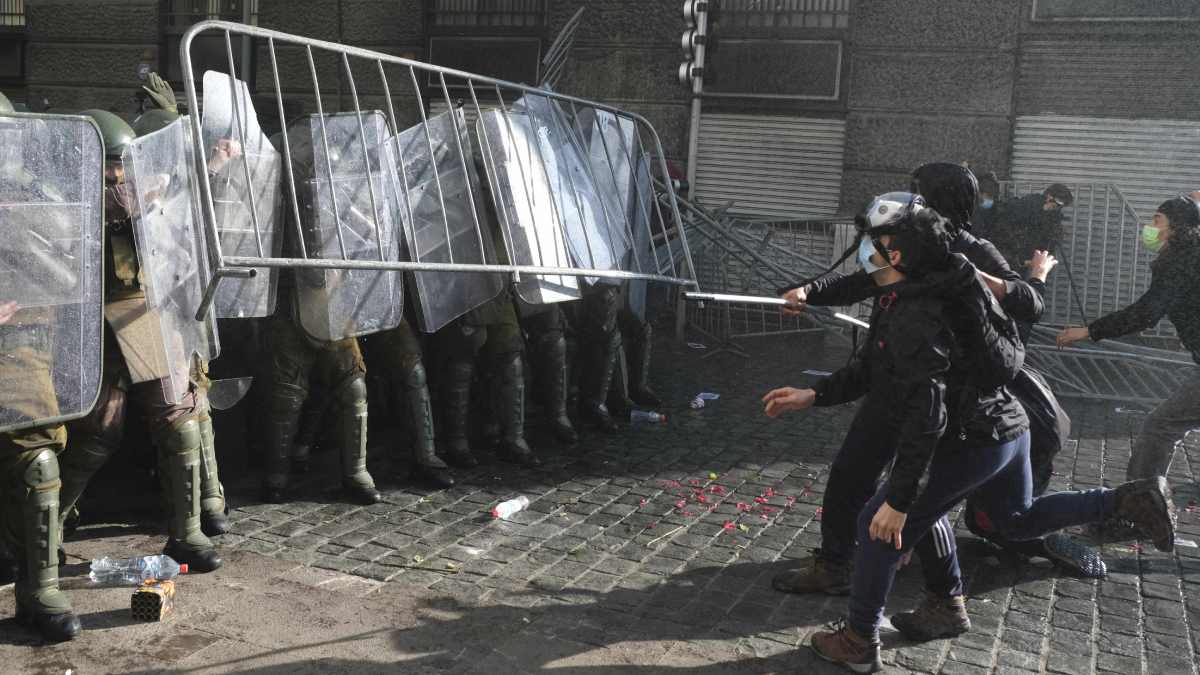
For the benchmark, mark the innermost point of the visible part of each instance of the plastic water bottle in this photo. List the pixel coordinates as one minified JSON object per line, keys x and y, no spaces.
{"x":505,"y":509}
{"x":636,"y":416}
{"x":134,"y":571}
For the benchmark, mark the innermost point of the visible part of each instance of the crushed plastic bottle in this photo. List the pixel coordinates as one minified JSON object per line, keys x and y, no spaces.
{"x":636,"y":416}
{"x":135,"y":571}
{"x":504,"y":510}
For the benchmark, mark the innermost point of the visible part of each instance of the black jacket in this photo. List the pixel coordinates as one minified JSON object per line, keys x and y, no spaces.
{"x":1022,"y":300}
{"x":902,"y":370}
{"x":1021,"y":225}
{"x":973,"y":416}
{"x":1174,"y":292}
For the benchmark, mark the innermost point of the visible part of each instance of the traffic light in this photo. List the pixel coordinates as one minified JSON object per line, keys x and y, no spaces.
{"x":693,"y":42}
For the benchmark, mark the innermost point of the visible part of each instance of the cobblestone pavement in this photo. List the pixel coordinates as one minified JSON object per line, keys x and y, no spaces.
{"x":653,"y":550}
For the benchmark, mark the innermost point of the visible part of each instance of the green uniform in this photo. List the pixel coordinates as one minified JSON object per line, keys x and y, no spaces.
{"x":178,"y":429}
{"x":491,"y":330}
{"x":398,"y":353}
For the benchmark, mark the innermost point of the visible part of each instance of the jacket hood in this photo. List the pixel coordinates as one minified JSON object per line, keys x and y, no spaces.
{"x":950,"y":189}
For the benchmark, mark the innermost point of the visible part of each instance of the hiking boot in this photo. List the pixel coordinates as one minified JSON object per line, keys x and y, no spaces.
{"x":815,"y":575}
{"x":937,"y":617}
{"x":841,"y":645}
{"x":1074,"y":556}
{"x":1147,"y":504}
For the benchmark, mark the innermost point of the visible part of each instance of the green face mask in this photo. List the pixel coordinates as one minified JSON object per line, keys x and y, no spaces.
{"x":1152,"y":238}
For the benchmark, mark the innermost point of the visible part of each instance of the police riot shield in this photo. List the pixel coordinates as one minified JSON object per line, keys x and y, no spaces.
{"x":245,"y":191}
{"x":445,"y":219}
{"x":173,"y":262}
{"x":51,"y":268}
{"x":532,"y":228}
{"x":345,"y":174}
{"x":594,"y":234}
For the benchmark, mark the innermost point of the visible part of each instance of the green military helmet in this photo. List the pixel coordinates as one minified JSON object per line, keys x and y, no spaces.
{"x":115,"y":131}
{"x":152,"y":120}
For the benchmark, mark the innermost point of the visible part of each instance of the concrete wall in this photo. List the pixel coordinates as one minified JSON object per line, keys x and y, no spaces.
{"x":85,"y":53}
{"x":923,"y":80}
{"x":929,"y":80}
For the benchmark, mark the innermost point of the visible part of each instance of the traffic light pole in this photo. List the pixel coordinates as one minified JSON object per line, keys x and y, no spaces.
{"x":695,"y":12}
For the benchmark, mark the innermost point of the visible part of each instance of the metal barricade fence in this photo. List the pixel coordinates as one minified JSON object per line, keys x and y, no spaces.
{"x":567,"y":195}
{"x":1100,"y":248}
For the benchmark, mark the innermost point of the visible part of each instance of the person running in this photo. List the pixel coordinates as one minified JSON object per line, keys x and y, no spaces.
{"x":1174,"y":293}
{"x":953,"y":435}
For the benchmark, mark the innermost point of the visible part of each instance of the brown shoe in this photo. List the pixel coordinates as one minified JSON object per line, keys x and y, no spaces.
{"x":1147,"y":504}
{"x":841,"y":645}
{"x":815,"y":575}
{"x":937,"y":617}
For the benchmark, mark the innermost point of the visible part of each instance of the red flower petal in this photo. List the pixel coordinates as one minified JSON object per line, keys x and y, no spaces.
{"x":743,"y":506}
{"x":770,"y":492}
{"x":761,"y":500}
{"x":680,"y":504}
{"x":728,"y":525}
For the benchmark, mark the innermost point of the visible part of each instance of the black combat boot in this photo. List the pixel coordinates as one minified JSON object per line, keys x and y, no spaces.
{"x":287,"y":400}
{"x":356,"y":480}
{"x":456,"y":401}
{"x":213,"y":510}
{"x":179,"y":470}
{"x":41,"y":606}
{"x":637,"y":354}
{"x":598,"y":374}
{"x":418,"y":414}
{"x":553,"y":355}
{"x":510,"y":405}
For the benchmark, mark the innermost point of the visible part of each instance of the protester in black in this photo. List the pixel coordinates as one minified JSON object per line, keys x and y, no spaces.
{"x":916,"y":326}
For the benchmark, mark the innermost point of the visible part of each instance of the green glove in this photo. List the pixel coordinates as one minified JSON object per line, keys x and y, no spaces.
{"x":160,"y":90}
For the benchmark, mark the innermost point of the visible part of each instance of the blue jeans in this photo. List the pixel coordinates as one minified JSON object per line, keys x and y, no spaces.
{"x":999,"y":476}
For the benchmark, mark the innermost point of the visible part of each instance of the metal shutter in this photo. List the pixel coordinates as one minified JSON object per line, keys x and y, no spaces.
{"x":1148,"y":161}
{"x":772,"y":168}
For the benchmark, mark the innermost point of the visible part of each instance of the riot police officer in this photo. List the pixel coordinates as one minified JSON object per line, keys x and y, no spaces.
{"x":29,"y":469}
{"x":177,"y":428}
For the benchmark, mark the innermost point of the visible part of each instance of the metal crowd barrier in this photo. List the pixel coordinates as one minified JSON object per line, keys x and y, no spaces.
{"x":564,"y":115}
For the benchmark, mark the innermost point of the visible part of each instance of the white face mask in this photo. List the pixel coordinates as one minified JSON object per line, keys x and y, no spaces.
{"x":866,"y":248}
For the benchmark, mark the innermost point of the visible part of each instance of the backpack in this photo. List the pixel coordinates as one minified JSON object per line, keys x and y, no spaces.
{"x":1049,"y":424}
{"x":989,"y":338}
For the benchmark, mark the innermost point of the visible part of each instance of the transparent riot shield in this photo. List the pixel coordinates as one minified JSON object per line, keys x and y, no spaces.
{"x":587,"y":208}
{"x":445,"y":219}
{"x":51,"y":268}
{"x":345,"y":174}
{"x":174,"y":268}
{"x":533,"y":230}
{"x":245,"y":191}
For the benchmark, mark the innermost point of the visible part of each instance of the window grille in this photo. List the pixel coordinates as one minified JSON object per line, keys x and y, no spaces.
{"x":487,"y":14}
{"x":788,"y":14}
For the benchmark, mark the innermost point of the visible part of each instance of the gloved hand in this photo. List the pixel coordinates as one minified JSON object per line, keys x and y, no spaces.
{"x":160,"y":90}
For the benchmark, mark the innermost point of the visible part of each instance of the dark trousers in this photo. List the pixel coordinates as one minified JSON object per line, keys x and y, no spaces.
{"x":868,"y":447}
{"x":1001,"y":479}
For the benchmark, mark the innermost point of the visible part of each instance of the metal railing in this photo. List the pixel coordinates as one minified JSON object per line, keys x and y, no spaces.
{"x":748,"y":258}
{"x":1104,"y":266}
{"x":557,"y":114}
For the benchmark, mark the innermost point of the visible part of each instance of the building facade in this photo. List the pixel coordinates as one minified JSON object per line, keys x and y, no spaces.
{"x":810,"y":105}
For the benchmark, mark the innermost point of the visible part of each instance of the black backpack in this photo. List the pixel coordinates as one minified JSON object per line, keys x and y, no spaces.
{"x":989,"y":338}
{"x":1049,"y":424}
